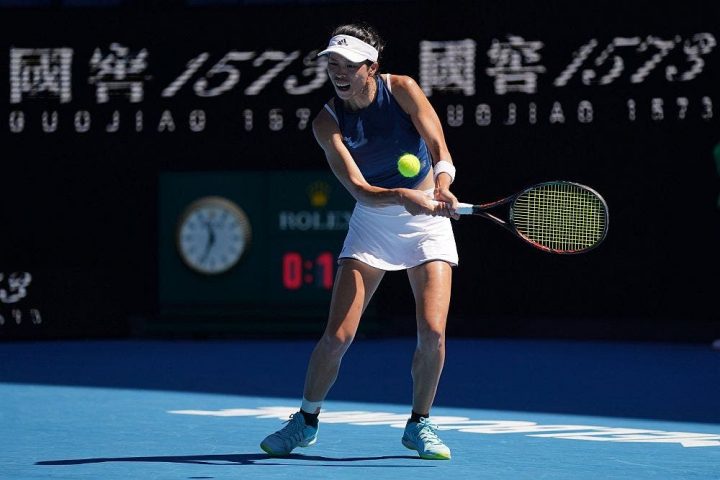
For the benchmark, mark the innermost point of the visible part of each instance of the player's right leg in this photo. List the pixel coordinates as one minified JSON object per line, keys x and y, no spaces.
{"x":355,"y":283}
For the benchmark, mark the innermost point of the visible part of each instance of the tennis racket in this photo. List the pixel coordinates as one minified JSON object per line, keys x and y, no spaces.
{"x":557,"y":217}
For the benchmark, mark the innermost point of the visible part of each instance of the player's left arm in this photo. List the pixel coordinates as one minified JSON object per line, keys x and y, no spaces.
{"x":413,"y":100}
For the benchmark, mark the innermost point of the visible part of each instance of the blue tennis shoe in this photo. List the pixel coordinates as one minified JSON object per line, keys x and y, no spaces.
{"x":421,"y":437}
{"x":296,"y":433}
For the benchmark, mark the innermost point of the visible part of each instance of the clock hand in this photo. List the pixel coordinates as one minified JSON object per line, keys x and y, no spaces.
{"x":211,"y":241}
{"x":212,"y":236}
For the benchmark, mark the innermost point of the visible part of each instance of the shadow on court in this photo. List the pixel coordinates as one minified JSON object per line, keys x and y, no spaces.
{"x":246,"y":459}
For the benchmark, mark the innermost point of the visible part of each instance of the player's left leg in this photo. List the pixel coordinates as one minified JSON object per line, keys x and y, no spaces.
{"x":431,"y":283}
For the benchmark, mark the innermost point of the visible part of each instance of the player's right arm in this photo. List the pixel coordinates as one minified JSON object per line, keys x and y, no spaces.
{"x":327,"y":133}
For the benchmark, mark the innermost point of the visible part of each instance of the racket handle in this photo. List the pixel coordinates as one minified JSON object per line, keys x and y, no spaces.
{"x":463,"y":208}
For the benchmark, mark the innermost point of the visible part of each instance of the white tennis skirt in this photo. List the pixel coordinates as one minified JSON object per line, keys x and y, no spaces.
{"x":390,"y":238}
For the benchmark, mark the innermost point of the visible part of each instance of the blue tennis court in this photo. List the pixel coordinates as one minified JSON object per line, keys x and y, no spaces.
{"x":509,"y":409}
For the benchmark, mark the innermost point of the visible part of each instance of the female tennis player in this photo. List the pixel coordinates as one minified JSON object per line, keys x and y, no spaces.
{"x":372,"y":121}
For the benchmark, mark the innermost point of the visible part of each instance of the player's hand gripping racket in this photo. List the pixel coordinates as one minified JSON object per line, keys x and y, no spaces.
{"x":557,"y":216}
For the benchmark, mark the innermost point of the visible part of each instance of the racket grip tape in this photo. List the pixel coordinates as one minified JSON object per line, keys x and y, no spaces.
{"x":463,"y":208}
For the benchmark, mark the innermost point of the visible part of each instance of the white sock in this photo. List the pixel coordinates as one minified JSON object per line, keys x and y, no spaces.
{"x":311,"y":407}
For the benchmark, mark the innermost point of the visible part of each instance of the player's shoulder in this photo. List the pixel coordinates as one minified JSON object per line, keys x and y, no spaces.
{"x":324,"y":123}
{"x":407,"y":93}
{"x":404,"y":83}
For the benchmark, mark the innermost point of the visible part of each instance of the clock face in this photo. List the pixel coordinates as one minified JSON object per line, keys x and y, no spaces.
{"x":212,"y":235}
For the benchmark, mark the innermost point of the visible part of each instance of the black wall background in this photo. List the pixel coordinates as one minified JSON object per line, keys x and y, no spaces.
{"x":79,"y":210}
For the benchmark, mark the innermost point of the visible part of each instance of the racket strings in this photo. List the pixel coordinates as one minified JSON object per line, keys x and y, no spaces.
{"x":561,"y":217}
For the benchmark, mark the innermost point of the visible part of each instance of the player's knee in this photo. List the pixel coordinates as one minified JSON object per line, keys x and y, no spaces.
{"x":337,"y":343}
{"x":431,"y":339}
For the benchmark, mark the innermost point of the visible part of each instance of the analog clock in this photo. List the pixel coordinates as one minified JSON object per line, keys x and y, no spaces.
{"x":212,"y":235}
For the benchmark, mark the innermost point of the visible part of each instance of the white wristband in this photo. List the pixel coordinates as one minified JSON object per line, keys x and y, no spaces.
{"x":443,"y":166}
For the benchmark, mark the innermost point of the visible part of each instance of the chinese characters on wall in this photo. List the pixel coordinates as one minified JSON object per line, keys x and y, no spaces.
{"x":449,"y":67}
{"x":511,"y":68}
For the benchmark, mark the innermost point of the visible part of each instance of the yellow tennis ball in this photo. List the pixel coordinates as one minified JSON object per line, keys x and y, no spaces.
{"x":409,"y":165}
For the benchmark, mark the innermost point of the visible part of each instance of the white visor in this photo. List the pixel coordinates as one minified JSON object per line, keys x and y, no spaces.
{"x":351,"y":48}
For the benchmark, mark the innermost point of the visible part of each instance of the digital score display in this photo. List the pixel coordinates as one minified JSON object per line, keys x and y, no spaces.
{"x":298,"y":271}
{"x":291,"y":226}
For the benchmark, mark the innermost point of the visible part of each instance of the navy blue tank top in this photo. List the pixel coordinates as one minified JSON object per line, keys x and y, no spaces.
{"x":378,"y":135}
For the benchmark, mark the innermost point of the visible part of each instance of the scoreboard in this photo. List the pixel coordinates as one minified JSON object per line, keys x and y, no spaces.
{"x":263,"y":243}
